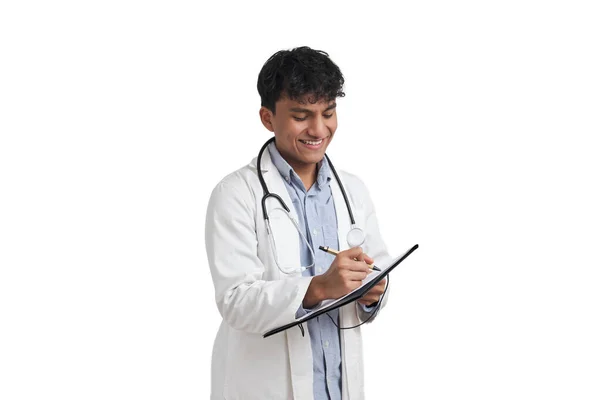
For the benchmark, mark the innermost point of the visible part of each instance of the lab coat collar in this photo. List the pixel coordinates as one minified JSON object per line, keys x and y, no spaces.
{"x":265,"y":163}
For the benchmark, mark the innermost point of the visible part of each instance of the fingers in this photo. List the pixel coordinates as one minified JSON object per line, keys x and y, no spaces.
{"x":357,"y":266}
{"x":365,"y":258}
{"x":356,"y":275}
{"x":379,"y":288}
{"x":367,"y":300}
{"x":351,"y":253}
{"x":356,"y":253}
{"x":374,"y":294}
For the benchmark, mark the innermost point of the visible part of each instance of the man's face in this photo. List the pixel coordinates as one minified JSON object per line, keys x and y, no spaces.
{"x":302,"y":130}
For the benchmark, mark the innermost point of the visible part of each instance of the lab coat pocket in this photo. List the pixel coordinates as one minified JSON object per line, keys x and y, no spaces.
{"x":252,"y":359}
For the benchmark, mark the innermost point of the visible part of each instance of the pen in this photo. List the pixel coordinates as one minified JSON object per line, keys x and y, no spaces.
{"x":329,"y":250}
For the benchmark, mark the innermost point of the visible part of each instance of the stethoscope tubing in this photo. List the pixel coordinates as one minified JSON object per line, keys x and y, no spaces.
{"x":355,"y":236}
{"x":267,"y":194}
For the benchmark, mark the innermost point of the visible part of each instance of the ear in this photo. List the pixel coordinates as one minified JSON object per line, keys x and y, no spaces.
{"x":266,"y":117}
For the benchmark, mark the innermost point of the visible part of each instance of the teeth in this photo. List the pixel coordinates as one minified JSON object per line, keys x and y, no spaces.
{"x":312,"y":142}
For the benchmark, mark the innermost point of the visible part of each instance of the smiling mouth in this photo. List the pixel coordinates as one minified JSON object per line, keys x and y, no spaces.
{"x":312,"y":142}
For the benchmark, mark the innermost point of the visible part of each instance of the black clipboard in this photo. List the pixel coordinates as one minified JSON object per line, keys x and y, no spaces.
{"x":352,"y":296}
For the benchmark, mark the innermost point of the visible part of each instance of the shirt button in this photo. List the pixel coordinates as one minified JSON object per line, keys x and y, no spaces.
{"x":315,"y":231}
{"x":327,"y":343}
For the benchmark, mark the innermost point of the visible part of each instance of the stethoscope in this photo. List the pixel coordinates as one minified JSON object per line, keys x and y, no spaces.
{"x":355,"y":237}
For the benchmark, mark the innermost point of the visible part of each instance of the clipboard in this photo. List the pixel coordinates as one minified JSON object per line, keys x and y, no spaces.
{"x":350,"y":297}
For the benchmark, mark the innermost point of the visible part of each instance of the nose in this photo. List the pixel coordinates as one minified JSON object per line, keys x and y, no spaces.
{"x":319,"y":128}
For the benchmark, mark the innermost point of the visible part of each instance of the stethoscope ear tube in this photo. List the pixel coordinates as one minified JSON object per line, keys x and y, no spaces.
{"x":356,"y":236}
{"x":264,"y":204}
{"x":338,"y":180}
{"x":262,"y":181}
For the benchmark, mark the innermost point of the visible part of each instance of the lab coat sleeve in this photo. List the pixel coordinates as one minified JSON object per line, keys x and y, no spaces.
{"x":374,"y":245}
{"x":246,"y":301}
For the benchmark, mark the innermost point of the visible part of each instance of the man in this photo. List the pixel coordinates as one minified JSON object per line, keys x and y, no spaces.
{"x":268,"y":275}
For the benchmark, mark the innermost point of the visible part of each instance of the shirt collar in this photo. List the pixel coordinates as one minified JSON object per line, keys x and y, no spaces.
{"x":288,"y":173}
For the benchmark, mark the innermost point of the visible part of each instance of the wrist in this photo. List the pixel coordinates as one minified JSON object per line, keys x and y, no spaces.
{"x":315,"y":293}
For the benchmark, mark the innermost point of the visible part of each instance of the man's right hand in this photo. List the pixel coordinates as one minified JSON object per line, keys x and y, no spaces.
{"x":345,"y":274}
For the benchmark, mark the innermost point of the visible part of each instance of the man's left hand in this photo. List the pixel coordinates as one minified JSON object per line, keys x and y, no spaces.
{"x":373,"y":295}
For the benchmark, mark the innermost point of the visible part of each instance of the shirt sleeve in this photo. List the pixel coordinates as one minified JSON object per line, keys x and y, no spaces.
{"x":368,"y":309}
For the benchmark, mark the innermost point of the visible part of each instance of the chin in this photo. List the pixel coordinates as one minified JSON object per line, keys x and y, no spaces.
{"x":314,"y":158}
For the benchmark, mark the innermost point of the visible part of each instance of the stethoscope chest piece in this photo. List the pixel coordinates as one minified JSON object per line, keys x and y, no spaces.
{"x":355,"y":237}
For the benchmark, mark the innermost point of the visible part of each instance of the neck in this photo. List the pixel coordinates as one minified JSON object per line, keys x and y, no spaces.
{"x":307,"y":173}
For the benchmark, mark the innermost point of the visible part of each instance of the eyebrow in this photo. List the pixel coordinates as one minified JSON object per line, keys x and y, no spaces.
{"x":306,"y":110}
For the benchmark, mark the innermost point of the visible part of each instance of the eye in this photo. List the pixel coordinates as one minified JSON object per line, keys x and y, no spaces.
{"x":327,"y":116}
{"x":299,"y":118}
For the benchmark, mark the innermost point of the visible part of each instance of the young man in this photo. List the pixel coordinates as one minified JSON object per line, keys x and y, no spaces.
{"x":267,"y":273}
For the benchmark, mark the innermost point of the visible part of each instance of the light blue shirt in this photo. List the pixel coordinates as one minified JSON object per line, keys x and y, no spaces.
{"x":317,"y":217}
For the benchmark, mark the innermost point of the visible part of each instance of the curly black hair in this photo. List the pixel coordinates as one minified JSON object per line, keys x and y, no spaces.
{"x":299,"y":72}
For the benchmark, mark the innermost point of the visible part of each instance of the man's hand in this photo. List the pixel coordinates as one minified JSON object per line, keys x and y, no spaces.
{"x":345,"y":274}
{"x":373,"y":295}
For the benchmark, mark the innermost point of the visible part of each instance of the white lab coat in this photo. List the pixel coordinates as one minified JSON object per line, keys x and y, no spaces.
{"x":254,"y":296}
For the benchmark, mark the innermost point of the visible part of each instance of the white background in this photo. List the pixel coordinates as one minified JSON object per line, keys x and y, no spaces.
{"x":474,"y":124}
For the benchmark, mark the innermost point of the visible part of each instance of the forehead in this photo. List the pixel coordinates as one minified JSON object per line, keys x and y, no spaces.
{"x":305,"y":103}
